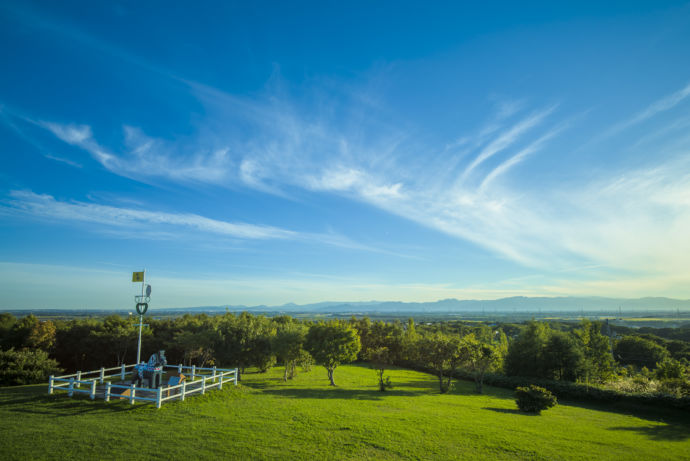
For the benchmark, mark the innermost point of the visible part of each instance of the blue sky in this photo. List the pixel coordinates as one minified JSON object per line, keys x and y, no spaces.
{"x":266,"y":153}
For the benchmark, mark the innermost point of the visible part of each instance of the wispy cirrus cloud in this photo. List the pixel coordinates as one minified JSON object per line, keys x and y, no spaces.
{"x":383,"y":166}
{"x":664,"y":104}
{"x":144,"y":157}
{"x":46,"y":206}
{"x":136,"y":223}
{"x":269,"y":143}
{"x":64,"y":160}
{"x":661,"y":105}
{"x":506,"y":165}
{"x":504,"y":140}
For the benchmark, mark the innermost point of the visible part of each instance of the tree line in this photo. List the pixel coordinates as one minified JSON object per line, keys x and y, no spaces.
{"x":573,"y":353}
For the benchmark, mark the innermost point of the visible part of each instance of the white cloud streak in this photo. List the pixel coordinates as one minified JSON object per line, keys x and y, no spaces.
{"x":45,"y":206}
{"x":633,"y":220}
{"x":505,"y":140}
{"x":506,"y":165}
{"x":662,"y":105}
{"x":155,"y":225}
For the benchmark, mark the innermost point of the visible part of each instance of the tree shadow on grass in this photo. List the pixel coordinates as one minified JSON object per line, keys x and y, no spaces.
{"x":510,"y":411}
{"x":34,"y":400}
{"x":340,"y":393}
{"x":70,"y":407}
{"x":666,"y":432}
{"x":647,"y":412}
{"x":263,"y":384}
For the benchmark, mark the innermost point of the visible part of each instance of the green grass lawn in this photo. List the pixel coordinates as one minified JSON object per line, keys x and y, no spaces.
{"x":264,"y":418}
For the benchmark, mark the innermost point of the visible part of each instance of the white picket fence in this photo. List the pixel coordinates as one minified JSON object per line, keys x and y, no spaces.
{"x":200,"y":380}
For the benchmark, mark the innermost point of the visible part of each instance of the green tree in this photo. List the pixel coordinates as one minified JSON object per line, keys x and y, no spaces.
{"x":288,"y":346}
{"x":76,"y":348}
{"x":245,"y":341}
{"x":118,"y":336}
{"x":443,"y":354}
{"x":379,"y":359}
{"x":525,"y":354}
{"x":598,"y":361}
{"x":21,"y":330}
{"x":197,"y":346}
{"x":363,"y":327}
{"x":640,"y":352}
{"x":331,"y":344}
{"x":7,"y":323}
{"x":42,"y":335}
{"x":480,"y":358}
{"x":385,"y":348}
{"x":409,"y":342}
{"x":562,"y":358}
{"x":410,"y":331}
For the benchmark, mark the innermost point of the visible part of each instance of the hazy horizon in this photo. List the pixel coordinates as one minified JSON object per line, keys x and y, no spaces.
{"x":272,"y":153}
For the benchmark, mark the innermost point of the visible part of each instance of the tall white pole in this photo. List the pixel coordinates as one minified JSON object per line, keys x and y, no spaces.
{"x":139,"y":343}
{"x":141,"y":318}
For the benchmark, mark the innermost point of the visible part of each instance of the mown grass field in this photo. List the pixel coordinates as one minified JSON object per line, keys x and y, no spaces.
{"x":264,"y":418}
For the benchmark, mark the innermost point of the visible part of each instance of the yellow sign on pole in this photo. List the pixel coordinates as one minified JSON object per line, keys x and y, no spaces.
{"x":137,"y":276}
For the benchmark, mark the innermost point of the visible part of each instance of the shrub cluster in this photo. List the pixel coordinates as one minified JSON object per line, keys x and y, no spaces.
{"x":534,"y":399}
{"x":582,"y":392}
{"x":25,"y":367}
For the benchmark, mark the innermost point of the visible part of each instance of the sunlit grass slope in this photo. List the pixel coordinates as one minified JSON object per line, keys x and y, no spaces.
{"x":265,"y":418}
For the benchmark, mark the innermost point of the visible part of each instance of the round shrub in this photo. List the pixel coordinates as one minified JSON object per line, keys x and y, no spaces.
{"x":534,"y":399}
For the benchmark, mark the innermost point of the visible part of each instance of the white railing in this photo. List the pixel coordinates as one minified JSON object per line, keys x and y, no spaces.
{"x":199,"y":382}
{"x":81,"y":377}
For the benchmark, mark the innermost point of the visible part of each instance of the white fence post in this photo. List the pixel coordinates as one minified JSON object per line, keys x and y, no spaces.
{"x":107,"y":391}
{"x":132,"y":390}
{"x":50,"y":385}
{"x":122,"y":372}
{"x":193,"y":372}
{"x":182,"y":390}
{"x":203,"y":385}
{"x":93,"y":389}
{"x":235,"y":376}
{"x":179,"y":369}
{"x":78,"y":378}
{"x":158,"y":397}
{"x":220,"y":381}
{"x":214,"y":373}
{"x":102,"y":374}
{"x":71,"y":387}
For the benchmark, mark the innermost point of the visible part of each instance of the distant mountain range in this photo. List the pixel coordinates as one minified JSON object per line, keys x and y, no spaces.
{"x":516,"y":305}
{"x":512,"y":304}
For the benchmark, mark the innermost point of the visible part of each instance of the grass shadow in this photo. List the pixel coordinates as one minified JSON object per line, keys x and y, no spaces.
{"x":339,"y":393}
{"x":35,"y":400}
{"x":509,"y":411}
{"x":643,"y":411}
{"x":667,"y":432}
{"x":647,"y":412}
{"x":70,"y":407}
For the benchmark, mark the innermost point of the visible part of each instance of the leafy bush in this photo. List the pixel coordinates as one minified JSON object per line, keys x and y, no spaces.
{"x":25,"y":367}
{"x":670,"y":369}
{"x":633,"y":385}
{"x":582,"y":392}
{"x":675,"y":387}
{"x":534,"y":399}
